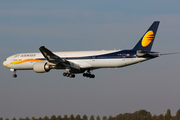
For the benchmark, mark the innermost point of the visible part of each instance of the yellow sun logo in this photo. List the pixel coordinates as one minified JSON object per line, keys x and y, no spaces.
{"x":147,"y":38}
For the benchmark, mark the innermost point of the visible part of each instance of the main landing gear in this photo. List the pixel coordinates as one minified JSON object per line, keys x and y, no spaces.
{"x":71,"y":75}
{"x":88,"y":74}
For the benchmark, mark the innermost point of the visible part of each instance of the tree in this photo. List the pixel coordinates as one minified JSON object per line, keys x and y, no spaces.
{"x":14,"y":118}
{"x":59,"y":117}
{"x":92,"y":117}
{"x":6,"y":119}
{"x":168,"y":115}
{"x":161,"y":117}
{"x":1,"y":118}
{"x":98,"y":118}
{"x":148,"y":117}
{"x":65,"y":117}
{"x":33,"y":118}
{"x":39,"y":118}
{"x":27,"y":118}
{"x":117,"y":117}
{"x":143,"y":112}
{"x":46,"y":118}
{"x":110,"y":118}
{"x":85,"y":117}
{"x":142,"y":117}
{"x":178,"y":115}
{"x":104,"y":118}
{"x":53,"y":117}
{"x":72,"y":117}
{"x":135,"y":116}
{"x":20,"y":118}
{"x":128,"y":118}
{"x":154,"y":117}
{"x":78,"y":117}
{"x":120,"y":116}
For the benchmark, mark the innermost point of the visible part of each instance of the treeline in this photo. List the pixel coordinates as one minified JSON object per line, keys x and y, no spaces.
{"x":137,"y":115}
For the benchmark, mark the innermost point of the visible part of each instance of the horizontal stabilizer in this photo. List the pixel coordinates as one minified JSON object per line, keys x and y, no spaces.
{"x":141,"y":53}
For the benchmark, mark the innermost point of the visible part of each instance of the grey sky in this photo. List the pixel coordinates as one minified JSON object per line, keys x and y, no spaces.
{"x":89,"y":25}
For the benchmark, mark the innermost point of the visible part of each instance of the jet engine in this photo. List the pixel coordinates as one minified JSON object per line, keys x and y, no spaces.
{"x":41,"y":67}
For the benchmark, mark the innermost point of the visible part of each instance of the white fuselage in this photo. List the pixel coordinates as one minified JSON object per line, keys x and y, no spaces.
{"x":25,"y":61}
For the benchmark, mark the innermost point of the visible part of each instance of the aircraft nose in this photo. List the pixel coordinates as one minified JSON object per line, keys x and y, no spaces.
{"x":4,"y":63}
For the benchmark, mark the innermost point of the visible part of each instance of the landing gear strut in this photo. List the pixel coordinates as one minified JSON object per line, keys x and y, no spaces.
{"x":71,"y":75}
{"x":14,"y":71}
{"x":88,"y":74}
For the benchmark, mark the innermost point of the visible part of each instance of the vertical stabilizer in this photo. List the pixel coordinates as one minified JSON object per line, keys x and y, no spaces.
{"x":146,"y":42}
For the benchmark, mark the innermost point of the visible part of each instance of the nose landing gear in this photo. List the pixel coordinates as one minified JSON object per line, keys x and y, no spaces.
{"x":14,"y":71}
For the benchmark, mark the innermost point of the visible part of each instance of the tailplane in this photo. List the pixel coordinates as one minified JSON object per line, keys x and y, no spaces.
{"x":146,"y":42}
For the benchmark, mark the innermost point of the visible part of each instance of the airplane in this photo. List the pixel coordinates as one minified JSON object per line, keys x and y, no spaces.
{"x":76,"y":62}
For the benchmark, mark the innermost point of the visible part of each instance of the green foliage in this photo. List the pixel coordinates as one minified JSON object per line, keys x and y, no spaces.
{"x":142,"y":117}
{"x":110,"y":118}
{"x":46,"y":118}
{"x":33,"y":118}
{"x":39,"y":118}
{"x":53,"y":117}
{"x":161,"y":117}
{"x":135,"y":117}
{"x":72,"y":117}
{"x":128,"y":118}
{"x":98,"y":118}
{"x":117,"y":117}
{"x":154,"y":117}
{"x":104,"y":118}
{"x":85,"y":117}
{"x":65,"y":117}
{"x":143,"y":112}
{"x":178,"y":115}
{"x":78,"y":117}
{"x":27,"y":118}
{"x":148,"y":117}
{"x":59,"y":117}
{"x":168,"y":115}
{"x":92,"y":117}
{"x":122,"y":117}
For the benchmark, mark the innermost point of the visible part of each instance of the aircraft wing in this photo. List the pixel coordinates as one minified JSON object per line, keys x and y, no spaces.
{"x":59,"y":62}
{"x":51,"y":57}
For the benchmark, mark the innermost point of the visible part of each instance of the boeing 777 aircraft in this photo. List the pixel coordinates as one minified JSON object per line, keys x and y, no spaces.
{"x":84,"y":61}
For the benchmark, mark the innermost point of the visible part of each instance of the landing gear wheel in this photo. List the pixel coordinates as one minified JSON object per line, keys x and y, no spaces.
{"x":64,"y":74}
{"x":72,"y":75}
{"x":92,"y":76}
{"x":69,"y":75}
{"x":14,"y":75}
{"x":84,"y":74}
{"x":88,"y":74}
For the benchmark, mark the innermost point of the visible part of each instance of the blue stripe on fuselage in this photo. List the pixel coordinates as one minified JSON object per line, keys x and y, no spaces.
{"x":118,"y":54}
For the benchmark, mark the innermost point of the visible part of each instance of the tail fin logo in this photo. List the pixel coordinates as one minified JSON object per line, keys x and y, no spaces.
{"x":148,"y":37}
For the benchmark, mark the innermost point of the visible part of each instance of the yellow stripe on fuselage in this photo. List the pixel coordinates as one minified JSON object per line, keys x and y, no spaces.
{"x":23,"y":61}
